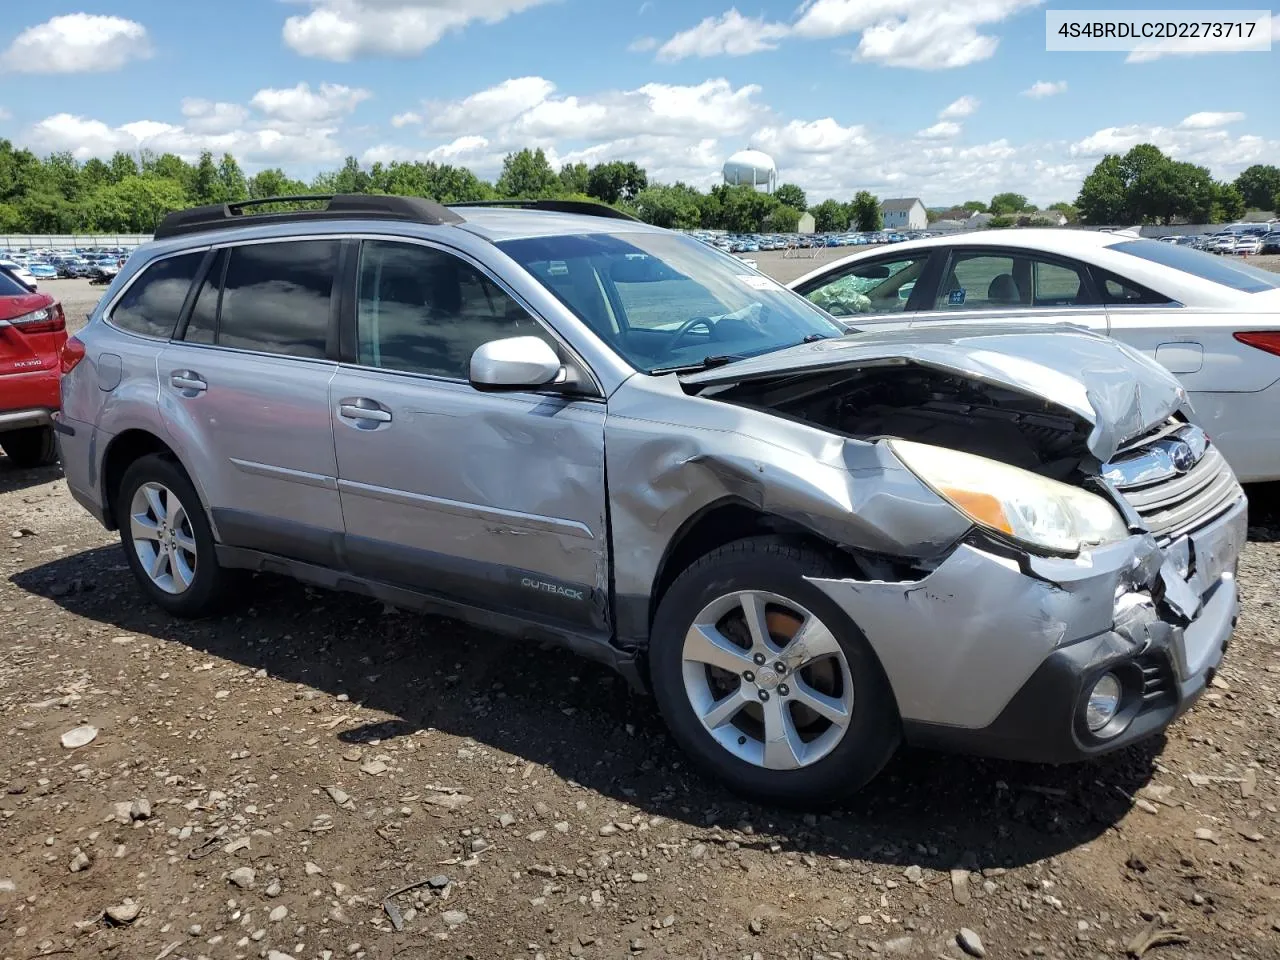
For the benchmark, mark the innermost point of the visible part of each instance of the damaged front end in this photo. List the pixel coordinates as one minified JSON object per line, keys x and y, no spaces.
{"x":1005,"y":644}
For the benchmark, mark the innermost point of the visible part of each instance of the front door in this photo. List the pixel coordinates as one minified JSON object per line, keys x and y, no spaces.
{"x":496,"y":500}
{"x":245,"y":395}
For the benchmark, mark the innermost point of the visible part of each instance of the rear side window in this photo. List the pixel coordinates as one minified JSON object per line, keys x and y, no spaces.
{"x":1117,"y":291}
{"x":151,"y":305}
{"x":275,"y":299}
{"x":1229,"y":272}
{"x":202,"y":325}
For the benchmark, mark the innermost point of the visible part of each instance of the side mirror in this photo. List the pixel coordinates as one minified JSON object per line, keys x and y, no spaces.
{"x":514,"y":363}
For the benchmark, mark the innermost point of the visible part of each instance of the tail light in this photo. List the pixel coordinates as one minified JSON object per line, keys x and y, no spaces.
{"x":72,"y":354}
{"x":48,"y":319}
{"x":1268,"y":340}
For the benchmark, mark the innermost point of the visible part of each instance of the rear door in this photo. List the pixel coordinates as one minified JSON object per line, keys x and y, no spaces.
{"x":244,"y":392}
{"x":1025,"y":285}
{"x":31,"y":331}
{"x":493,"y":499}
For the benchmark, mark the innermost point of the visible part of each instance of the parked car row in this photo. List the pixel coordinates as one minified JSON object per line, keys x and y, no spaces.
{"x":753,"y":243}
{"x":1240,"y":239}
{"x":97,"y":264}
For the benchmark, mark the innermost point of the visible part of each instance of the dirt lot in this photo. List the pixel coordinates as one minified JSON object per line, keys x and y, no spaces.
{"x":258,"y":784}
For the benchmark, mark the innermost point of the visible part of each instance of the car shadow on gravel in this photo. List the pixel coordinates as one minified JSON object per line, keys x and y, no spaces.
{"x":544,"y":706}
{"x":13,"y":479}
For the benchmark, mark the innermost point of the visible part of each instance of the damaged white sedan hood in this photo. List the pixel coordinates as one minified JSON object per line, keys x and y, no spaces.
{"x":1116,"y":390}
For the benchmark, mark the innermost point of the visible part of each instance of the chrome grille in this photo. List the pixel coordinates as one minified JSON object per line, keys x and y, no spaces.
{"x":1175,"y":483}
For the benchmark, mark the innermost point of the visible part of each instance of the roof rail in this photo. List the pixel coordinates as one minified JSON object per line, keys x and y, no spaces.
{"x":341,"y":206}
{"x":584,"y":207}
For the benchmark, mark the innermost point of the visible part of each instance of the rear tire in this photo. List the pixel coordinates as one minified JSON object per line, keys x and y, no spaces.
{"x":831,"y":699}
{"x":30,"y":447}
{"x":167,"y":538}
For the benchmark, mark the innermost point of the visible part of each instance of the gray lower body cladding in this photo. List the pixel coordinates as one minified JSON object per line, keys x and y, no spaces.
{"x":961,"y":646}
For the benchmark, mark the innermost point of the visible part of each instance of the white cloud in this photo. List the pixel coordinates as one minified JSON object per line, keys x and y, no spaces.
{"x":206,"y":116}
{"x":1045,"y":88}
{"x":1208,"y":120}
{"x":730,"y":34}
{"x":942,"y":130}
{"x":922,"y":34}
{"x":294,"y":125}
{"x":643,"y":44}
{"x":406,"y":119}
{"x":345,"y":29}
{"x":5,"y":114}
{"x":963,"y":107}
{"x":76,"y":43}
{"x":301,"y":105}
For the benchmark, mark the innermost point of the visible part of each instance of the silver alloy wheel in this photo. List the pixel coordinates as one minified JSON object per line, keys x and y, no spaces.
{"x":767,"y":679}
{"x":162,"y":537}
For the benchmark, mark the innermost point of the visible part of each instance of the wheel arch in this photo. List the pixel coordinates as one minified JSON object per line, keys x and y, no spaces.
{"x":125,"y":449}
{"x":716,"y":524}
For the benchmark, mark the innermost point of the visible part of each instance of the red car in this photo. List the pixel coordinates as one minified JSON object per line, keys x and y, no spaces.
{"x":32,"y":332}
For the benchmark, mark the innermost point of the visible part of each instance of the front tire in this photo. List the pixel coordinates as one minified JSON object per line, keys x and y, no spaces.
{"x":30,"y":447}
{"x":765,"y":682}
{"x":167,"y":538}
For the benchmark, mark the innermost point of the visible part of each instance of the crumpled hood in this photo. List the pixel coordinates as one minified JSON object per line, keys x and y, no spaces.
{"x":1115,"y":389}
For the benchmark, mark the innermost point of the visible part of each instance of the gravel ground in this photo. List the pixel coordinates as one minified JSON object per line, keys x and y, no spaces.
{"x":263,"y":784}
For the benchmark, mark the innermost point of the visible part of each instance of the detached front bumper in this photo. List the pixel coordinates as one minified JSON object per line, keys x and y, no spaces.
{"x":994,"y":657}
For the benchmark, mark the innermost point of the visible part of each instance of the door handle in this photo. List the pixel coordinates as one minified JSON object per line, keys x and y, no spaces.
{"x":188,"y":380}
{"x":362,"y":408}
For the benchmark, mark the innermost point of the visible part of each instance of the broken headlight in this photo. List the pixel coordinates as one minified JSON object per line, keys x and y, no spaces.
{"x":1017,"y":503}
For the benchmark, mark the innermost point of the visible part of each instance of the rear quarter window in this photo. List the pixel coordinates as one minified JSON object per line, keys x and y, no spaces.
{"x":151,"y":305}
{"x":1228,"y":272}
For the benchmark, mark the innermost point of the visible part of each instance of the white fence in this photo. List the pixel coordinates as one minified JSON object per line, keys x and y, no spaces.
{"x":46,"y":241}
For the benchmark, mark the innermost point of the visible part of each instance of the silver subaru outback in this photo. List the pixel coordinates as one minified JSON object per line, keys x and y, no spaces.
{"x":554,"y":422}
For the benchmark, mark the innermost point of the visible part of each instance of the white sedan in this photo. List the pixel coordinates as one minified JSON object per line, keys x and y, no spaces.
{"x":1213,"y":321}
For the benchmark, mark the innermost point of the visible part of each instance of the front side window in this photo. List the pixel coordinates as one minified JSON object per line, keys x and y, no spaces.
{"x":421,"y":310}
{"x":275,"y":297}
{"x":665,"y":301}
{"x":151,"y":305}
{"x":879,"y":286}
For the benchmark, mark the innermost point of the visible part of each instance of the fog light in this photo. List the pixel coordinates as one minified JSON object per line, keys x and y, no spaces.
{"x":1104,"y":701}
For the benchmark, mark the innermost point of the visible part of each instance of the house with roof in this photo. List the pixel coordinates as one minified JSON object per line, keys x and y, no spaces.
{"x":904,"y":213}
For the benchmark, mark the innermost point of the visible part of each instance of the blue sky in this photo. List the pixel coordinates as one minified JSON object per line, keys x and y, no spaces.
{"x":929,"y":98}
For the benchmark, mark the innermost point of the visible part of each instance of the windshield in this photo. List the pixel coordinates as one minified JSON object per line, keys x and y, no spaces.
{"x":665,"y":301}
{"x":1228,"y":272}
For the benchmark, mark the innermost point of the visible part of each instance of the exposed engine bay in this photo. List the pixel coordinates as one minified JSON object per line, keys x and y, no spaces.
{"x":915,"y":402}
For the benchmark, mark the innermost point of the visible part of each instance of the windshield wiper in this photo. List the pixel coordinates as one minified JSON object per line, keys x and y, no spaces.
{"x":706,"y":363}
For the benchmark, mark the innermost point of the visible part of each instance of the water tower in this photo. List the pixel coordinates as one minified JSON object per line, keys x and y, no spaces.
{"x":753,"y":168}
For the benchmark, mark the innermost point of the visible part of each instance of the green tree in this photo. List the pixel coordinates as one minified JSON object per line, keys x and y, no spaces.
{"x":94,"y":174}
{"x":1104,"y":194}
{"x":135,"y":204}
{"x":830,"y":216}
{"x":1005,"y":203}
{"x":527,"y":175}
{"x":205,"y":187}
{"x":231,"y":182}
{"x":1228,"y":203}
{"x":616,"y":181}
{"x":674,"y":207}
{"x":792,"y":196}
{"x":864,"y":212}
{"x":351,"y":179}
{"x":1002,"y":222}
{"x":574,"y":177}
{"x":274,"y":182}
{"x":1258,"y":185}
{"x":782,"y":219}
{"x":974,"y":206}
{"x":123,"y":165}
{"x":169,"y":166}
